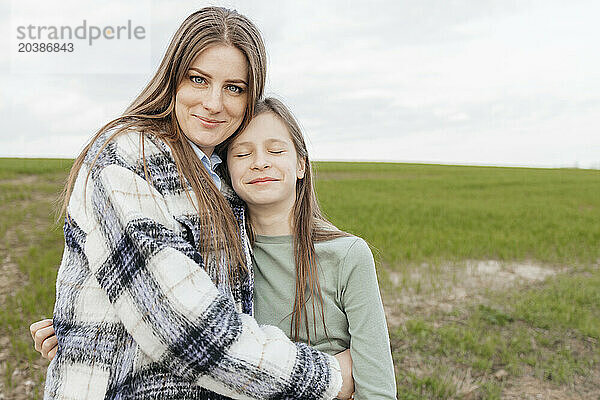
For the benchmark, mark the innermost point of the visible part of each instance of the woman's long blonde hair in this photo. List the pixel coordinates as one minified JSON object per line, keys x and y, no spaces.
{"x":154,"y":111}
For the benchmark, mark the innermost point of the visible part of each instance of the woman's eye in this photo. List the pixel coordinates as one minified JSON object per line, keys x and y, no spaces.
{"x":235,"y":89}
{"x":277,"y":151}
{"x":239,"y":155}
{"x":198,"y":79}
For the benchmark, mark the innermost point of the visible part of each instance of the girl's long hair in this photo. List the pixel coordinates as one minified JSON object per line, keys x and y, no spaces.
{"x":154,"y":111}
{"x":309,"y":226}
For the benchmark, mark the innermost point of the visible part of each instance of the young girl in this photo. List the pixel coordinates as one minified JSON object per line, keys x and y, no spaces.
{"x":312,"y":280}
{"x":337,"y":304}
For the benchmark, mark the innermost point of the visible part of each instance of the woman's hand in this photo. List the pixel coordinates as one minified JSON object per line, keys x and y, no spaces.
{"x":44,"y":338}
{"x":345,"y":361}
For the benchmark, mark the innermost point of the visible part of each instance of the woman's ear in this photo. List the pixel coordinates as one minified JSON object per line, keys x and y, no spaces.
{"x":301,"y":168}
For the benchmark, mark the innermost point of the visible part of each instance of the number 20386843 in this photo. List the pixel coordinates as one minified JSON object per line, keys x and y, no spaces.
{"x":45,"y":47}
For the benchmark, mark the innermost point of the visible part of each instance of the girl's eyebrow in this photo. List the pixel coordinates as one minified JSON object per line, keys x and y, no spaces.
{"x":250,"y":143}
{"x":238,"y":80}
{"x":234,"y":145}
{"x":275,"y":140}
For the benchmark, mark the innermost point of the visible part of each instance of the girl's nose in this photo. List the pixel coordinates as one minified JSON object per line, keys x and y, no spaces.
{"x":260,"y":161}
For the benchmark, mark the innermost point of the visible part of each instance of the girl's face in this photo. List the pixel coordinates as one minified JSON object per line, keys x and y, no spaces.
{"x":211,"y":100}
{"x":263,"y":163}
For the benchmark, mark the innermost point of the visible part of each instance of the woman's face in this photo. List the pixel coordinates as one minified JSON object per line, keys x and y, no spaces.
{"x":263,"y":163}
{"x":211,"y":100}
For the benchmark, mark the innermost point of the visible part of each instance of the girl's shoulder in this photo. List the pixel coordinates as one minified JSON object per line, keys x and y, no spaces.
{"x":345,"y":249}
{"x":349,"y":258}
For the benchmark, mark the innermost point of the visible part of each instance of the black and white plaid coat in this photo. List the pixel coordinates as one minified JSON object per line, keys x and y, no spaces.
{"x":137,"y":315}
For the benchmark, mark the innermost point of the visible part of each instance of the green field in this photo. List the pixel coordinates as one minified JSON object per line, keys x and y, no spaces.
{"x":490,"y":276}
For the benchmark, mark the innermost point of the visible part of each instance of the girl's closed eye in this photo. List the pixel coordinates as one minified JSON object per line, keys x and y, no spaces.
{"x":277,"y":151}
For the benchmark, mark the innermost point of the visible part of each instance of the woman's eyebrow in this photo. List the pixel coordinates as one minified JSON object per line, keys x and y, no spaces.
{"x":237,"y":80}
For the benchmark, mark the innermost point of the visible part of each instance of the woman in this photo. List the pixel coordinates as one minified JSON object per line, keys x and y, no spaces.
{"x":296,"y":248}
{"x":137,"y":312}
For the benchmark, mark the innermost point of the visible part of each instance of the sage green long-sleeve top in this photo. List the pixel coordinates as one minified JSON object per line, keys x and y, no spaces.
{"x":353,"y":309}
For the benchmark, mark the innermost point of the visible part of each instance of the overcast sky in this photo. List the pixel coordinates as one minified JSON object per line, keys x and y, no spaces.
{"x":464,"y":82}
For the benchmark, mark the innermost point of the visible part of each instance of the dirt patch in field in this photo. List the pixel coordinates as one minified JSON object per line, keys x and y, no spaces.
{"x":22,"y":180}
{"x":427,"y":288}
{"x":530,"y":388}
{"x":19,"y":378}
{"x":466,"y":384}
{"x":10,"y":275}
{"x":499,"y":274}
{"x":11,"y":278}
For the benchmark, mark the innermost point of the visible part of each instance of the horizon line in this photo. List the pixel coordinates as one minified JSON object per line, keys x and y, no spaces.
{"x":422,"y":162}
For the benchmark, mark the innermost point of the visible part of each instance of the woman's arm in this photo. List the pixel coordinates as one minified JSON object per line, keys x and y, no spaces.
{"x":46,"y":343}
{"x":175,"y":313}
{"x":372,"y":368}
{"x":173,"y":310}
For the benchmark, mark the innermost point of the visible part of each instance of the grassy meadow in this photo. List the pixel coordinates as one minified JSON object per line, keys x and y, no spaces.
{"x":490,"y":276}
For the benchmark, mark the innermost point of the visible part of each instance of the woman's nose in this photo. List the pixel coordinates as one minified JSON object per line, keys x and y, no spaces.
{"x":213,"y":101}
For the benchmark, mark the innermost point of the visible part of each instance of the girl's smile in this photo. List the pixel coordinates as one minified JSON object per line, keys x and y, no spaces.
{"x":259,"y":181}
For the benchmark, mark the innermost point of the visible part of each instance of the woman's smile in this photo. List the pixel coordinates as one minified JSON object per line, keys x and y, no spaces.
{"x":208,"y":123}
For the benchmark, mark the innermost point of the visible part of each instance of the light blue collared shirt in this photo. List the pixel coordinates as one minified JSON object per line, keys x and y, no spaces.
{"x":209,"y":163}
